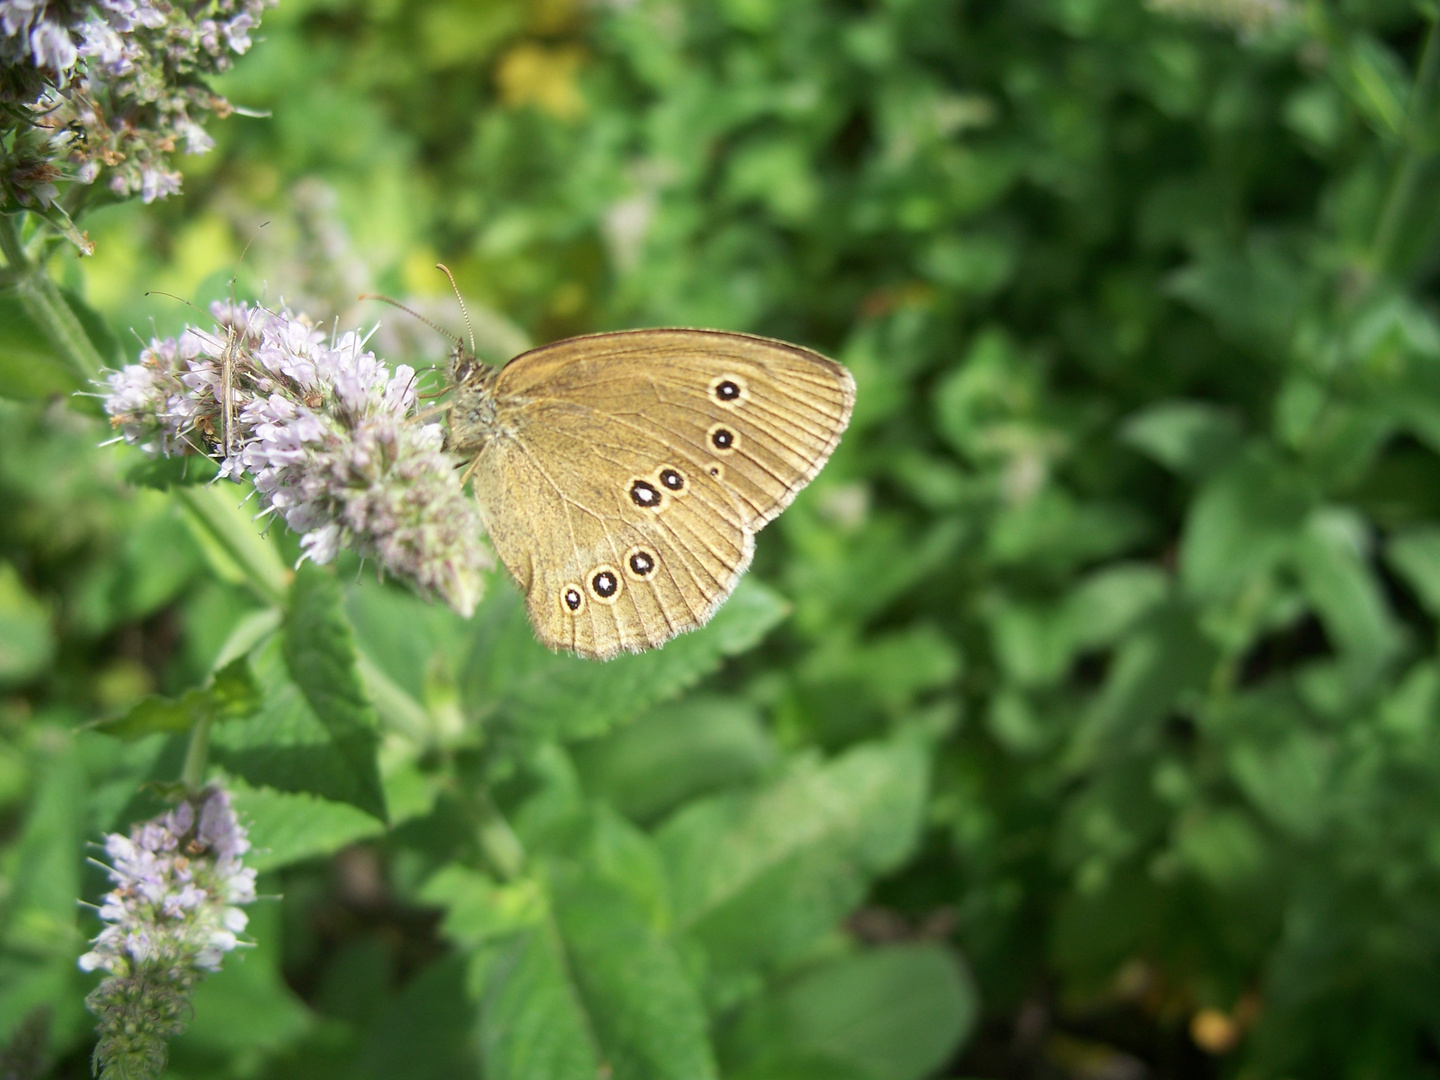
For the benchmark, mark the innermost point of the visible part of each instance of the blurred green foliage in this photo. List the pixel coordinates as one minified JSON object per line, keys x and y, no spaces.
{"x":1097,"y":722}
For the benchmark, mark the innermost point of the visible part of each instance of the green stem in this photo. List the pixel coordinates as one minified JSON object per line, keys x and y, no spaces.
{"x":1414,"y":155}
{"x":228,"y":525}
{"x":498,"y":841}
{"x":192,"y":774}
{"x":400,"y":712}
{"x":44,"y":303}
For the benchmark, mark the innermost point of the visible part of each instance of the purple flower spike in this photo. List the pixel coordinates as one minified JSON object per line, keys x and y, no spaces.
{"x":327,"y":433}
{"x":171,"y":918}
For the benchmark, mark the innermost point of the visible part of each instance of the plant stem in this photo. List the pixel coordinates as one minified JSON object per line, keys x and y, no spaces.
{"x":498,"y":841}
{"x":214,"y":508}
{"x":197,"y":753}
{"x":45,"y":304}
{"x":1414,"y":155}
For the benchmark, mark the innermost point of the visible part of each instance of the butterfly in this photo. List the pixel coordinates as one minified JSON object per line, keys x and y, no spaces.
{"x":622,"y":477}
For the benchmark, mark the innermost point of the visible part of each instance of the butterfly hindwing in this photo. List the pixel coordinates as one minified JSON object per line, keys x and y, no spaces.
{"x":610,"y":556}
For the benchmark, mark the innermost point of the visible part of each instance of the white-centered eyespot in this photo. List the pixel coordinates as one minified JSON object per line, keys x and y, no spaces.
{"x":728,"y":390}
{"x":604,"y":584}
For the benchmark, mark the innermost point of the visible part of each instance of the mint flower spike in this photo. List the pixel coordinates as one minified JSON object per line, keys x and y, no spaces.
{"x":113,"y":87}
{"x":327,"y":433}
{"x":172,"y":916}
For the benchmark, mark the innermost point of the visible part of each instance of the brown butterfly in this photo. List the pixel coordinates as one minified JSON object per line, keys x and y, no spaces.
{"x":623,"y":476}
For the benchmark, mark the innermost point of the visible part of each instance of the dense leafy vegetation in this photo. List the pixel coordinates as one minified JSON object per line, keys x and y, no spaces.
{"x":1081,"y":719}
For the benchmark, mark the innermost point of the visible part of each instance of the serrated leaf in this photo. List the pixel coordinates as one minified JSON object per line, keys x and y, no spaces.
{"x":319,"y":650}
{"x":289,"y":827}
{"x":553,"y":695}
{"x":896,"y":1013}
{"x":532,"y":1026}
{"x":231,"y":694}
{"x":284,"y":745}
{"x":606,"y":987}
{"x":757,"y":878}
{"x":643,"y":1009}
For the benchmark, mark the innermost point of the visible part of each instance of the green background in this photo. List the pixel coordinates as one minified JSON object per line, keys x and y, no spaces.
{"x":1095,"y":731}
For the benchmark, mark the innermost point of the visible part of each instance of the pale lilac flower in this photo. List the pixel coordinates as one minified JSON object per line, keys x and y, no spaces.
{"x":326,"y":432}
{"x":171,"y":917}
{"x":113,"y":86}
{"x":157,"y":184}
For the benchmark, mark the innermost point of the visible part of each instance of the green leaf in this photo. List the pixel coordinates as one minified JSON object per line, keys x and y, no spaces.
{"x":27,"y":642}
{"x":286,"y":746}
{"x":319,"y":650}
{"x":1333,"y":562}
{"x":478,"y":910}
{"x":798,"y":1066}
{"x":231,"y":694}
{"x":1377,"y":83}
{"x":893,"y":668}
{"x":1243,"y":521}
{"x":896,"y":1013}
{"x":1223,"y":846}
{"x":1253,"y":296}
{"x":552,"y":695}
{"x":1415,"y":554}
{"x":592,"y":983}
{"x":1157,"y":666}
{"x":38,"y":914}
{"x":1191,"y":438}
{"x":96,"y":328}
{"x":757,"y":878}
{"x":1038,"y":643}
{"x":176,"y":470}
{"x":30,"y":367}
{"x":645,"y":1013}
{"x":1289,"y":781}
{"x":675,"y":753}
{"x":532,"y":1024}
{"x":38,"y":937}
{"x":289,"y":827}
{"x":424,"y":1032}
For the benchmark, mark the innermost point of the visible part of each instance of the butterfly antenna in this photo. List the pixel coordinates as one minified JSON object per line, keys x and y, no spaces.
{"x":172,"y":296}
{"x":468,"y":328}
{"x":240,"y":261}
{"x":413,"y":314}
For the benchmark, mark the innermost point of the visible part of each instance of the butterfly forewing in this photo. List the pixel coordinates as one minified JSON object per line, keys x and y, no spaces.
{"x":762,"y":415}
{"x":627,"y":473}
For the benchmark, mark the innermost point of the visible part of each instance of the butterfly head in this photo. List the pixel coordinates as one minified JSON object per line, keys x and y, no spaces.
{"x":472,"y":418}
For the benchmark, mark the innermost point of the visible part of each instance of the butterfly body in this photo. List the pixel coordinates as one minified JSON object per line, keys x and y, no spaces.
{"x":622,"y":476}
